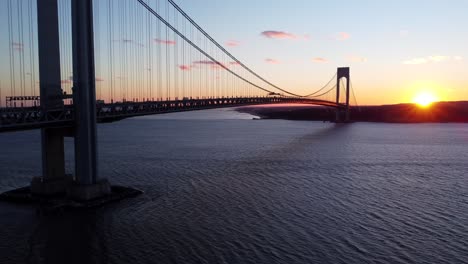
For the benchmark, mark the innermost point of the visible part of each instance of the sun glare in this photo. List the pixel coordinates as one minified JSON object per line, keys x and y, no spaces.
{"x":424,"y":99}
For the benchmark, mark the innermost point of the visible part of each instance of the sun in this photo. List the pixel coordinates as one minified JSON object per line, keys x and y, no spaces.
{"x":424,"y":99}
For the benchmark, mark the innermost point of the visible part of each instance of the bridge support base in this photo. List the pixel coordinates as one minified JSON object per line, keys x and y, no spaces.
{"x":86,"y":192}
{"x":342,"y":116}
{"x":50,"y":186}
{"x":66,"y":187}
{"x":59,"y":203}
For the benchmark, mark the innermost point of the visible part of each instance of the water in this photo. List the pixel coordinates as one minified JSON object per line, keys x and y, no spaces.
{"x":222,"y":188}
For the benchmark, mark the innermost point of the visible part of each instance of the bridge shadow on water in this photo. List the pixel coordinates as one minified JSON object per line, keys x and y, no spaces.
{"x":299,"y":144}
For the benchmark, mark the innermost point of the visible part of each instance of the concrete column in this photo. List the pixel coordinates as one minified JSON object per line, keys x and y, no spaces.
{"x":84,"y":94}
{"x":87,"y":186}
{"x":49,"y":54}
{"x":53,"y":157}
{"x":347,"y":117}
{"x":338,"y":111}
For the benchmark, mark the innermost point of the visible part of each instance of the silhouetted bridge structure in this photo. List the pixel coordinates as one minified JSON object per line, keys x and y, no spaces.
{"x":151,"y":58}
{"x":25,"y":118}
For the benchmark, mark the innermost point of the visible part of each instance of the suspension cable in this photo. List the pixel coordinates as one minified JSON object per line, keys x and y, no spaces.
{"x":354,"y":96}
{"x":331,"y":89}
{"x":225,"y":51}
{"x":199,"y":49}
{"x":309,"y":95}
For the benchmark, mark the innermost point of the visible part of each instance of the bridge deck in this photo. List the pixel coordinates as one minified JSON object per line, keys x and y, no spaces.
{"x":25,"y":118}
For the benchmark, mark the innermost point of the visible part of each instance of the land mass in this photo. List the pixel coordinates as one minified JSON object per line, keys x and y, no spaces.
{"x":441,"y":112}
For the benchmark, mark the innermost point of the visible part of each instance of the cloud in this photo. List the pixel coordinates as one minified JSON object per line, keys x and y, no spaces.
{"x":99,"y":79}
{"x":205,"y":62}
{"x":123,"y":40}
{"x":355,"y":58}
{"x":232,"y":43}
{"x":431,"y":59}
{"x":438,"y":58}
{"x":128,"y":41}
{"x":278,"y":35}
{"x":17,"y":46}
{"x":65,"y":81}
{"x":320,"y":60}
{"x":272,"y":61}
{"x":213,"y":64}
{"x":342,"y":36}
{"x":164,"y":41}
{"x":404,"y":33}
{"x":416,"y":61}
{"x":185,"y":67}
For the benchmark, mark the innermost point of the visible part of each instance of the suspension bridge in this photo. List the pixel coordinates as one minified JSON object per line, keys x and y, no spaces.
{"x":70,"y":64}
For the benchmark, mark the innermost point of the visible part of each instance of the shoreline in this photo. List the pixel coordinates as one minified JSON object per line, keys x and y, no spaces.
{"x":441,"y":112}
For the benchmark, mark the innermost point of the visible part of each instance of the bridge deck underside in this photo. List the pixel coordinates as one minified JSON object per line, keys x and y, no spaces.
{"x":15,"y":119}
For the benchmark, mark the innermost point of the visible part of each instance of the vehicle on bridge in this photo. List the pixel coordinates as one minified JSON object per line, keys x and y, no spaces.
{"x":274,"y":94}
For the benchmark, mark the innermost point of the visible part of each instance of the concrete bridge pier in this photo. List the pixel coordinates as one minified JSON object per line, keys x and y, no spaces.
{"x":86,"y":185}
{"x":342,"y":115}
{"x":53,"y":180}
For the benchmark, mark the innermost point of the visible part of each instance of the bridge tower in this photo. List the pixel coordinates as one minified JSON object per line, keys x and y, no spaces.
{"x":53,"y":178}
{"x":85,"y":185}
{"x":342,"y":115}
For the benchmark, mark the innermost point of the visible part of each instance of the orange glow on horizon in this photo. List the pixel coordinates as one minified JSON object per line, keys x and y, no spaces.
{"x":424,"y":99}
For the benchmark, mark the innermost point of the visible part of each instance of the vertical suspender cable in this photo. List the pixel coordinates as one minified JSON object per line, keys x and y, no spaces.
{"x":11,"y":44}
{"x":111,"y":53}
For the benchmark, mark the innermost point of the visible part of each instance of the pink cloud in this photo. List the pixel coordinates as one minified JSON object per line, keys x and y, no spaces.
{"x":272,"y":61}
{"x":320,"y":60}
{"x":166,"y":42}
{"x":185,"y":67}
{"x":205,"y":62}
{"x":209,"y":62}
{"x":65,"y":81}
{"x":278,"y":34}
{"x":342,"y":36}
{"x":232,"y":43}
{"x":99,"y":79}
{"x":213,"y":64}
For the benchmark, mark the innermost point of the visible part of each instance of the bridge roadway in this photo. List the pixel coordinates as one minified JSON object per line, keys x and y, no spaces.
{"x":26,"y":118}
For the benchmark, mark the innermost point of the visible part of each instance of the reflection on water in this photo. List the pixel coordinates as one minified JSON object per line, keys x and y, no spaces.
{"x":225,"y":190}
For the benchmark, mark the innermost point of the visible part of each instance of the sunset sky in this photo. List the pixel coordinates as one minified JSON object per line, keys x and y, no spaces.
{"x":397,"y":50}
